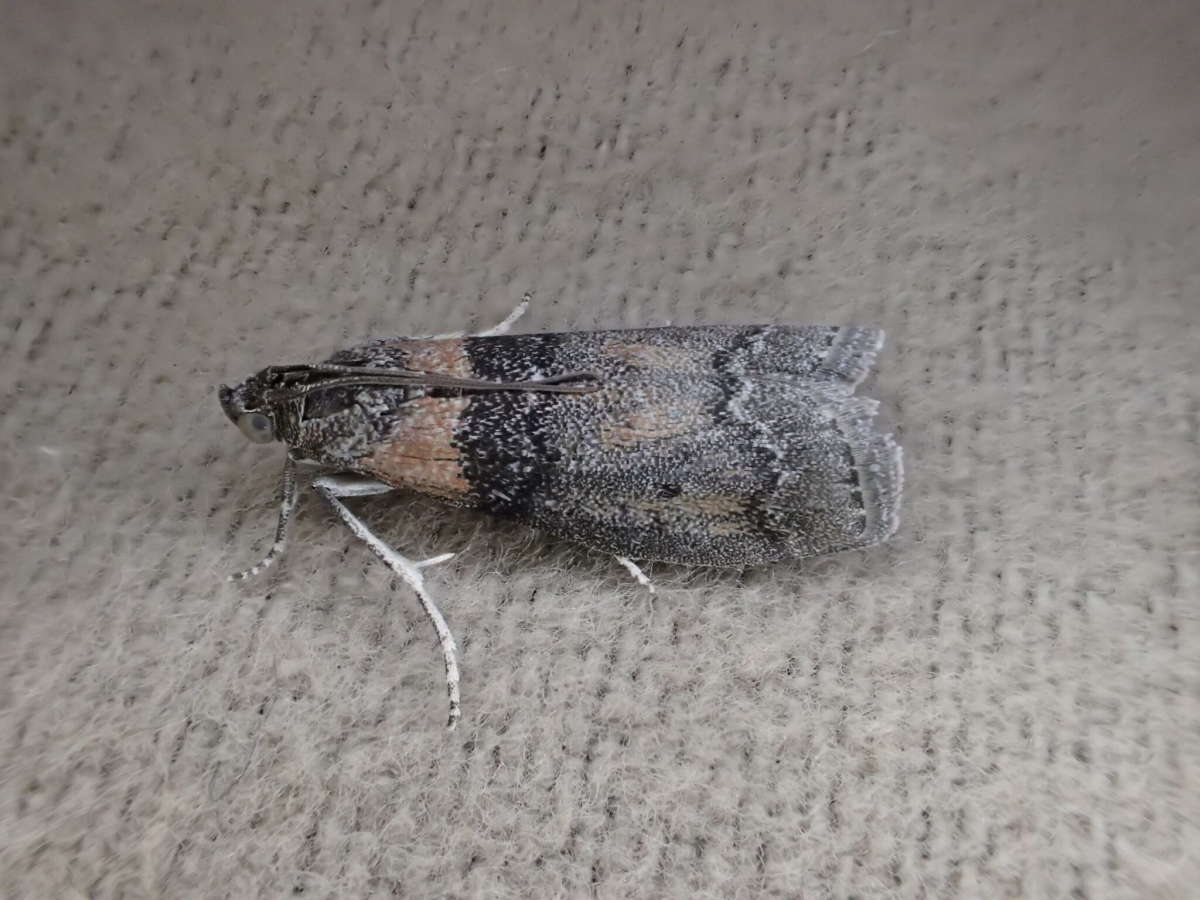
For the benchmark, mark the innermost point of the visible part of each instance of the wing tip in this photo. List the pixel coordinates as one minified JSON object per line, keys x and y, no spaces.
{"x":853,"y":353}
{"x":884,"y":464}
{"x":879,"y":459}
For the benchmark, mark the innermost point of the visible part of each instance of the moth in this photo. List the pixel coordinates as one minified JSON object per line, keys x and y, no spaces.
{"x":716,"y":445}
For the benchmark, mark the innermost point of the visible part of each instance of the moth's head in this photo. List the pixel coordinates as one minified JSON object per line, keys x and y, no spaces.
{"x":248,"y":407}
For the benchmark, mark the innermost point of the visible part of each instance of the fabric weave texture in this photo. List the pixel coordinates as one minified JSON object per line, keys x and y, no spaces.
{"x":1003,"y":701}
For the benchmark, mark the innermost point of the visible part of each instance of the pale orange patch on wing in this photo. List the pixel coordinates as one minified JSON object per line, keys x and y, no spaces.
{"x":653,"y":356}
{"x":420,"y":454}
{"x":446,"y":357}
{"x":654,"y":421}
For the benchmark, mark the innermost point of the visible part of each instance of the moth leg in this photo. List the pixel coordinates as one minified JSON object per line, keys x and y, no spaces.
{"x":335,"y":487}
{"x":286,"y":507}
{"x":636,"y":572}
{"x":510,"y":320}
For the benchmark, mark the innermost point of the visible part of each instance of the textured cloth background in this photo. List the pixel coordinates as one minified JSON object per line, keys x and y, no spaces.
{"x":1005,"y":701}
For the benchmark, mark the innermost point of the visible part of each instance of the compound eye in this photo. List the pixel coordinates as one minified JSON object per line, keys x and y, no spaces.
{"x":257,"y":427}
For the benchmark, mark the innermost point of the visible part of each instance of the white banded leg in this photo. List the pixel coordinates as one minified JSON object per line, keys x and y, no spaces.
{"x":636,"y":572}
{"x":510,"y":320}
{"x":503,"y":328}
{"x":336,"y":487}
{"x":286,"y":507}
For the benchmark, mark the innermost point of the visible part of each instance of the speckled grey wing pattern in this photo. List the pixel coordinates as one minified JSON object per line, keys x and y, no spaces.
{"x":720,"y":445}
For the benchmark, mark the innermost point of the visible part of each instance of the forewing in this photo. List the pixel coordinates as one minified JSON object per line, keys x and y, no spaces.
{"x":722,"y":445}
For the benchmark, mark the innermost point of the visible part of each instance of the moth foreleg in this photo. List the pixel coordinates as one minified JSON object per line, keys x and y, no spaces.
{"x":336,"y":487}
{"x":286,"y":507}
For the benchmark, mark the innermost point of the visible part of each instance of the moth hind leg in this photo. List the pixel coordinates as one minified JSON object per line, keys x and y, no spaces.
{"x":510,"y":320}
{"x":335,"y":488}
{"x":503,"y":327}
{"x":635,"y":570}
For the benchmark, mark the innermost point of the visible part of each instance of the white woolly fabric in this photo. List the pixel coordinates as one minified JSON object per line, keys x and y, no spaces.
{"x":1003,"y":701}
